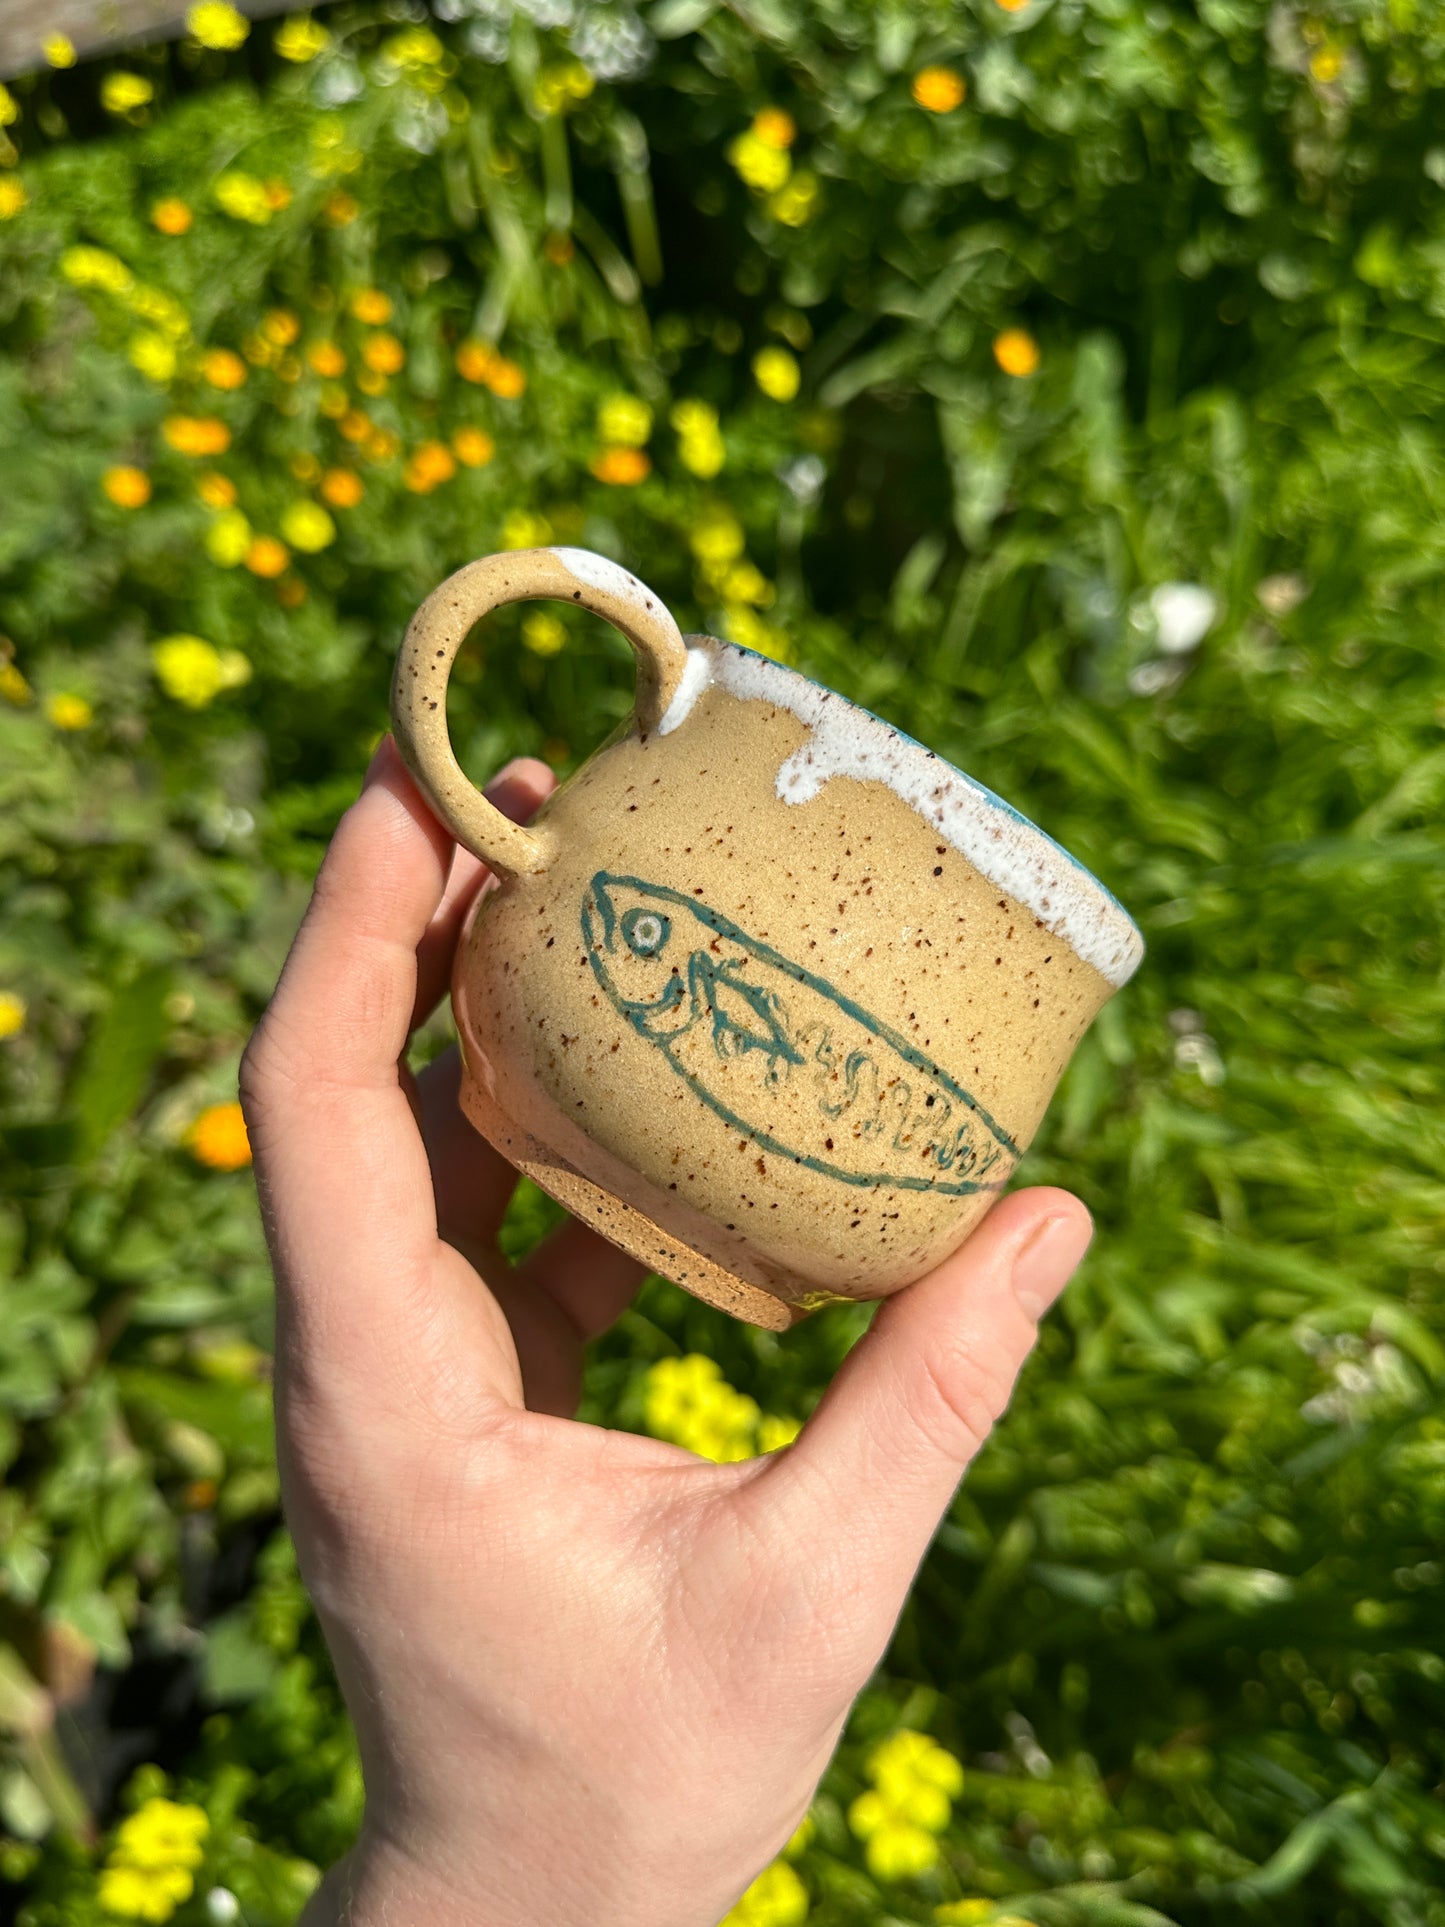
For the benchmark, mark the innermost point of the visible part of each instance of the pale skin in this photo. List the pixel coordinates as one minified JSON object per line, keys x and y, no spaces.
{"x":595,"y":1679}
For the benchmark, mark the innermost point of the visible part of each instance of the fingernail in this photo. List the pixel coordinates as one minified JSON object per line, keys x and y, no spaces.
{"x":1045,"y":1264}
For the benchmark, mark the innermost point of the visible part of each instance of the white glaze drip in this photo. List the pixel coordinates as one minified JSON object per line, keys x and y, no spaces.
{"x":1002,"y":845}
{"x":610,"y":578}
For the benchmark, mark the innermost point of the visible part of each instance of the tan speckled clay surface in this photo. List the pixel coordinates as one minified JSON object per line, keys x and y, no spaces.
{"x":780,"y":1050}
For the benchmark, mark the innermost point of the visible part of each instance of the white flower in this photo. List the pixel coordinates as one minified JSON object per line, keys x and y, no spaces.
{"x":222,"y":1906}
{"x":1185,"y":613}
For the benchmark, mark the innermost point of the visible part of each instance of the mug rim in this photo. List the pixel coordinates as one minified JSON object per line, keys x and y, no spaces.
{"x":768,"y":669}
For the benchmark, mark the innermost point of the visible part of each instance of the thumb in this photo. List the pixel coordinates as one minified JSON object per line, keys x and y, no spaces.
{"x":864,"y":1486}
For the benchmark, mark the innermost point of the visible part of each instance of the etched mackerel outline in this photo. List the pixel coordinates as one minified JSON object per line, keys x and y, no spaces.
{"x":733,"y":933}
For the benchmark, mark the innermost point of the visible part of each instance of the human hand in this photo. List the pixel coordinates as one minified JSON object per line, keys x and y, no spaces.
{"x":594,"y":1678}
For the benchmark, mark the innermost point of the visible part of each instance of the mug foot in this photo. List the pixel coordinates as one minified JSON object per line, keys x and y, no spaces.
{"x":631,"y":1229}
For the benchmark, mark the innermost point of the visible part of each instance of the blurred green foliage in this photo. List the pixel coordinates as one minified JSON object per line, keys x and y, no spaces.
{"x":1182,"y":1624}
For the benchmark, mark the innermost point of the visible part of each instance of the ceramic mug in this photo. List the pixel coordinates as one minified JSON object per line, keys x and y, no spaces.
{"x":769,"y":994}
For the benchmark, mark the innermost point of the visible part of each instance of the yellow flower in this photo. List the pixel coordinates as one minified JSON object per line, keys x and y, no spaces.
{"x":13,"y":687}
{"x":86,"y":267}
{"x":1326,"y":65}
{"x":280,"y":327}
{"x":625,"y":420}
{"x":761,"y":164}
{"x":1016,"y":352}
{"x":777,"y":1898}
{"x":301,"y":39}
{"x":776,"y":373}
{"x":894,"y":1849}
{"x":12,"y":1013}
{"x":326,"y":358}
{"x":383,"y":354}
{"x":9,"y":107}
{"x":1012,"y":6}
{"x":171,"y":216}
{"x":795,"y":204}
{"x":716,"y":537}
{"x":216,"y":24}
{"x":334,"y":402}
{"x":700,"y":442}
{"x":154,"y":304}
{"x":122,"y":93}
{"x":69,"y":712}
{"x":266,"y":557}
{"x":522,"y":529}
{"x":414,"y":47}
{"x":243,"y":197}
{"x":801,"y":1837}
{"x":746,"y":627}
{"x":228,"y":538}
{"x":143,"y":1894}
{"x":223,"y":368}
{"x":372,"y":306}
{"x":688,"y":1401}
{"x":474,"y":446}
{"x":621,"y":467}
{"x":560,"y":85}
{"x":163,"y":1833}
{"x":194,"y":672}
{"x":775,"y":1432}
{"x":429,"y":466}
{"x":939,"y":89}
{"x":964,"y":1913}
{"x":475,"y":359}
{"x":196,"y":434}
{"x":381,"y":445}
{"x":745,"y":582}
{"x":127,"y":487}
{"x":370,"y":383}
{"x":217,"y":491}
{"x":307,"y":526}
{"x":59,"y":50}
{"x":544,"y":634}
{"x":340,"y":208}
{"x":12,"y":197}
{"x":342,"y":488}
{"x":505,"y":378}
{"x":304,"y":466}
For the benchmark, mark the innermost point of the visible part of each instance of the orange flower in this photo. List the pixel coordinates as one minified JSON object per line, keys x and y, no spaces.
{"x":215,"y":490}
{"x":196,"y":434}
{"x":505,"y":378}
{"x":342,"y":488}
{"x":327,"y":359}
{"x":474,"y":446}
{"x":218,"y":1138}
{"x":171,"y":216}
{"x":381,"y":445}
{"x":222,"y":368}
{"x":355,"y":425}
{"x":939,"y":89}
{"x":383,"y":354}
{"x":372,"y":306}
{"x":774,"y":128}
{"x":278,"y":194}
{"x":1016,"y":352}
{"x":1012,"y":6}
{"x":280,"y":327}
{"x":475,"y":359}
{"x":340,"y":208}
{"x":622,"y":467}
{"x":127,"y":487}
{"x":432,"y":464}
{"x":267,"y":557}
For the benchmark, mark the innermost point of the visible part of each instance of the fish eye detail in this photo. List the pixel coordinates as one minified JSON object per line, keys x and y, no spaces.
{"x":646,"y":931}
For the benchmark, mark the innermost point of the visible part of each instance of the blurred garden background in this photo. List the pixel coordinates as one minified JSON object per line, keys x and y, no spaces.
{"x":1062,"y":379}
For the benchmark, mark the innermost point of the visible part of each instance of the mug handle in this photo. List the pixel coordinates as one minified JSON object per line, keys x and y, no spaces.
{"x":436,"y":632}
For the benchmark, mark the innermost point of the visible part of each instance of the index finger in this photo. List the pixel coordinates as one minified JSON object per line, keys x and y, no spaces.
{"x":345,"y":1186}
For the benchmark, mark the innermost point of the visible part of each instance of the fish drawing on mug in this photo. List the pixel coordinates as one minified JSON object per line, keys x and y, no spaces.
{"x":742,"y":1025}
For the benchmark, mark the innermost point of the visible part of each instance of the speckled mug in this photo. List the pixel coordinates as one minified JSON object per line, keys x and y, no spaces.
{"x":769,"y":994}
